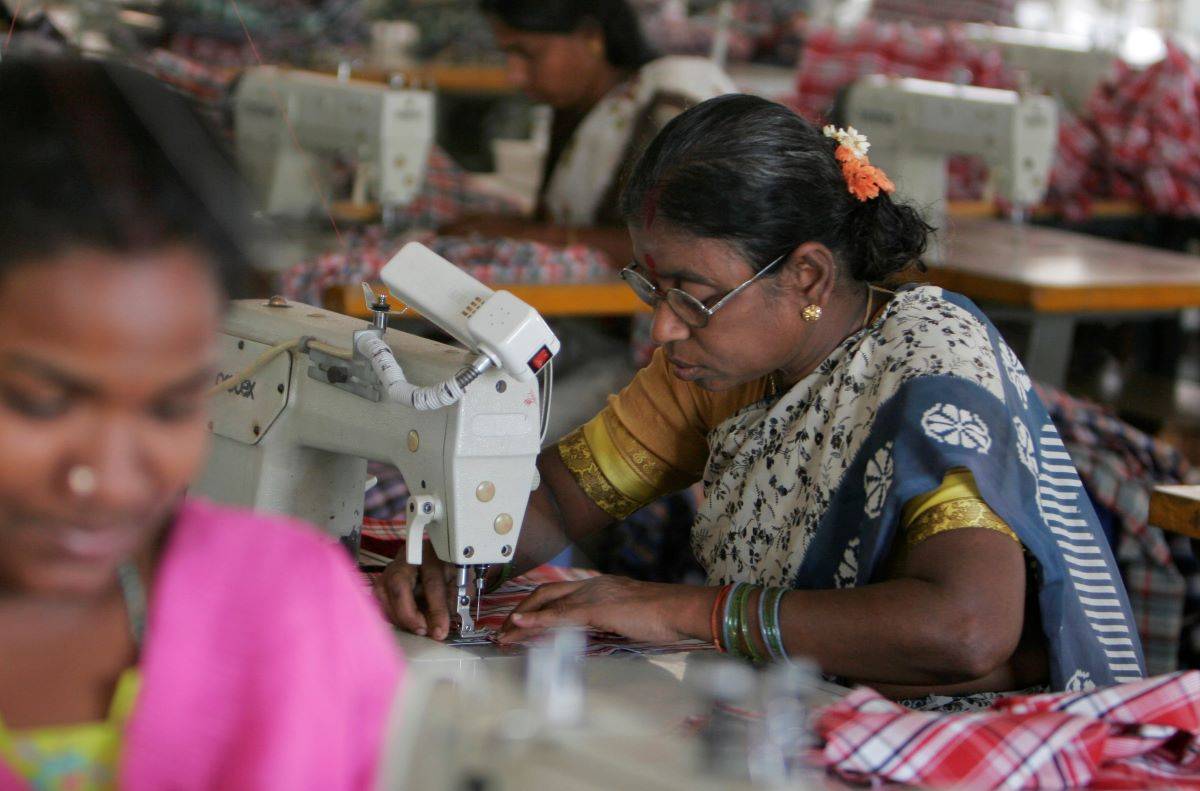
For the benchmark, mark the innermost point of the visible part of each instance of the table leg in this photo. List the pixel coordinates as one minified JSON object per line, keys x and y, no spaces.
{"x":1049,"y":350}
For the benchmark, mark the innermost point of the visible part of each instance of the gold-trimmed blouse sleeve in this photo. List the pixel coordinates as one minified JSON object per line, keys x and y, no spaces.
{"x":650,"y":440}
{"x":954,"y":505}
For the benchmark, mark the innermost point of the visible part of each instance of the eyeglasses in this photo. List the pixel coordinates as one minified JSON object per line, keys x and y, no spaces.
{"x":690,"y":310}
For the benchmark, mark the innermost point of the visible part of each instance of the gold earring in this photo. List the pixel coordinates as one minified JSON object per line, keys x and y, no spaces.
{"x":811,"y":312}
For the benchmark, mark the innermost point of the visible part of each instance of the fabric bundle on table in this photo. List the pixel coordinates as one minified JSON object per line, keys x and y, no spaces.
{"x":488,"y":260}
{"x":1136,"y":735}
{"x":1138,"y":138}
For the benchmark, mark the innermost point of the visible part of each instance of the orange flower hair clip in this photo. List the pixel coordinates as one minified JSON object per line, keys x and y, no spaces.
{"x":864,"y":180}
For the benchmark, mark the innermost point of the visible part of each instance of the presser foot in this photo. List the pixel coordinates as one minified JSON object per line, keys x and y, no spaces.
{"x":467,"y":633}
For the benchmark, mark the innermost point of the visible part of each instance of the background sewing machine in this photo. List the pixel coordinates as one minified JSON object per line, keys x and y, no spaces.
{"x":914,"y":125}
{"x":1065,"y":66}
{"x":306,"y":397}
{"x":292,"y":127}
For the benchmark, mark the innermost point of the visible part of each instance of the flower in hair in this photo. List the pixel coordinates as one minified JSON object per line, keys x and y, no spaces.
{"x":863,"y":180}
{"x":850,"y":138}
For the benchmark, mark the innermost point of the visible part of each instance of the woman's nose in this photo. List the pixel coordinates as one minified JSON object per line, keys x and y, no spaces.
{"x":119,"y":472}
{"x":666,"y":326}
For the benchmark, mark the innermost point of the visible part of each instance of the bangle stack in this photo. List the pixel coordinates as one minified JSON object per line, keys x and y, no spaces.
{"x":731,"y":627}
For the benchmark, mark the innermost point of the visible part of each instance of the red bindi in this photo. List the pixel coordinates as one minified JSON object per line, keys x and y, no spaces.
{"x":650,"y":208}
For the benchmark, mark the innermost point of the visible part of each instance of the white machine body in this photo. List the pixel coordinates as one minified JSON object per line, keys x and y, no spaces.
{"x":295,"y":438}
{"x":1067,"y":67}
{"x":387,"y":132}
{"x":914,"y":125}
{"x":495,"y":323}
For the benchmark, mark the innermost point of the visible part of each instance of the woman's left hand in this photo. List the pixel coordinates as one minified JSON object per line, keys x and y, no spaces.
{"x":649,"y":612}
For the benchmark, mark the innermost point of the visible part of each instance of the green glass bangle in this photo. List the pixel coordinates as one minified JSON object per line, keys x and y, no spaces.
{"x":744,"y":625}
{"x":772,"y":632}
{"x":728,"y":618}
{"x":762,"y":622}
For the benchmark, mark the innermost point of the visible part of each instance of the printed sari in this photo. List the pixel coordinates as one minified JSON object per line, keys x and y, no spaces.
{"x":806,"y":490}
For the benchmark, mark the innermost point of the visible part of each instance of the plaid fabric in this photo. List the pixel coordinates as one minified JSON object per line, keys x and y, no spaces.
{"x":1135,"y":735}
{"x":489,"y":260}
{"x":446,"y":196}
{"x":499,"y":603}
{"x":1120,"y":466}
{"x":1138,"y":138}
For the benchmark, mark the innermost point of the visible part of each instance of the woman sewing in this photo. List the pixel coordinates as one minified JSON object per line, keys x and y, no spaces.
{"x":148,"y":640}
{"x":589,"y":61}
{"x":883,"y":491}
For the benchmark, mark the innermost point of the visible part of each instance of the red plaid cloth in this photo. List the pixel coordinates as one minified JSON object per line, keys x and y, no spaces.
{"x":1138,"y":138}
{"x":489,"y":260}
{"x":1137,"y":735}
{"x":386,"y":538}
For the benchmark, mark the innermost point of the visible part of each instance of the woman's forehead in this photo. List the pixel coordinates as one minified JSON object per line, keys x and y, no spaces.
{"x":101,"y":304}
{"x":669,"y":253}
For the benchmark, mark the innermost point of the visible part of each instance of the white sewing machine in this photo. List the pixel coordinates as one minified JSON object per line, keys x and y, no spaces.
{"x":605,"y":723}
{"x":308,"y":396}
{"x":290,"y":126}
{"x":1065,"y":66}
{"x":914,"y":125}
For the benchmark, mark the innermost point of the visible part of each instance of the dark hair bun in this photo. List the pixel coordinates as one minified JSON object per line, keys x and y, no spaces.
{"x":886,"y":238}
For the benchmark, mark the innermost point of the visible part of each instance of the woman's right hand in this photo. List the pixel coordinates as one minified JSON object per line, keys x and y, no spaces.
{"x":417,"y":599}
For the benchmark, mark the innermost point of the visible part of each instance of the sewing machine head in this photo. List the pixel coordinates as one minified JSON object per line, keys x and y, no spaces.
{"x":914,"y":125}
{"x":464,"y":428}
{"x":386,"y":132}
{"x":1065,"y":66}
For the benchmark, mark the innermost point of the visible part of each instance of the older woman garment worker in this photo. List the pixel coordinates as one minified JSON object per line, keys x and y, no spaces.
{"x":883,"y":491}
{"x":148,"y":640}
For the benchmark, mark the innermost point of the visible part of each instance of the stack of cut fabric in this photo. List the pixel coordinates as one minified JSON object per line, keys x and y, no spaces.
{"x":1144,"y":734}
{"x":1138,"y":138}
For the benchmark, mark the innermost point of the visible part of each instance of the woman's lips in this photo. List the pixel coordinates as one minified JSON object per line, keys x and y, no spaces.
{"x":683,"y":370}
{"x":91,"y":543}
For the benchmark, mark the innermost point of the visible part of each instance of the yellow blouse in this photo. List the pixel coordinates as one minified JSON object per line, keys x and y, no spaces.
{"x":82,"y":757}
{"x":651,"y":439}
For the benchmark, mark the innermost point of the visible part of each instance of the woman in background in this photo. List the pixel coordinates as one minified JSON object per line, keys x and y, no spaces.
{"x":148,"y":640}
{"x":589,"y":61}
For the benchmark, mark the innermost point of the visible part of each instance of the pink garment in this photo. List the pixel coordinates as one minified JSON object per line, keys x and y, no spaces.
{"x":266,"y":664}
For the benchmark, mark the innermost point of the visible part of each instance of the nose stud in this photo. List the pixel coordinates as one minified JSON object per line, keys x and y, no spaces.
{"x":81,"y":480}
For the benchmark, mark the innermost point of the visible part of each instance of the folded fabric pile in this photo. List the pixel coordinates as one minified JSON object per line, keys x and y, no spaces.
{"x":1138,"y":138}
{"x":1137,"y":735}
{"x":489,"y":260}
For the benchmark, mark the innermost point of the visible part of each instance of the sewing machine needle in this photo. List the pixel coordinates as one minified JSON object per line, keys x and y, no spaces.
{"x":480,"y":579}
